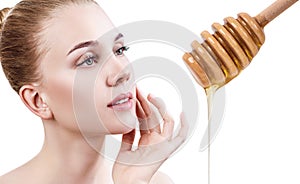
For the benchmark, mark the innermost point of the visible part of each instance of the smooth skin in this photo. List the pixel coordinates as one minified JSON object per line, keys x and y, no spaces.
{"x":66,"y":157}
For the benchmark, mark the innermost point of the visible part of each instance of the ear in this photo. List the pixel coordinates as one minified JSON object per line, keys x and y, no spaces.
{"x":34,"y":102}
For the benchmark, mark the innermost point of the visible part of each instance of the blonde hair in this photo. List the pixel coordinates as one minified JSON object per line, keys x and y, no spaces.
{"x":20,"y":43}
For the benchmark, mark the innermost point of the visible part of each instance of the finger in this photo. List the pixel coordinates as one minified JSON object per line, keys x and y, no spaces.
{"x":151,"y":119}
{"x":161,"y":107}
{"x":169,"y":147}
{"x":155,"y":118}
{"x":127,"y":141}
{"x":168,"y":125}
{"x":183,"y":132}
{"x":139,"y":111}
{"x":175,"y":143}
{"x":143,"y":126}
{"x":143,"y":103}
{"x":162,"y":150}
{"x":168,"y":129}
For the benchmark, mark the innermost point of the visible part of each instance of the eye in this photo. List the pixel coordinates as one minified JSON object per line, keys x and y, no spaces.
{"x":120,"y":51}
{"x":88,"y":61}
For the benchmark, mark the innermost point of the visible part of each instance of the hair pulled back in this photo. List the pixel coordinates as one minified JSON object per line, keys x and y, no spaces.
{"x":20,"y":38}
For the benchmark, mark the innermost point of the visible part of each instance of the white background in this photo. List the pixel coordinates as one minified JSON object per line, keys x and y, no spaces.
{"x":259,"y":141}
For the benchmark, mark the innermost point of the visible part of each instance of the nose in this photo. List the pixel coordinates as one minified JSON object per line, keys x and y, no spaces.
{"x":118,"y":73}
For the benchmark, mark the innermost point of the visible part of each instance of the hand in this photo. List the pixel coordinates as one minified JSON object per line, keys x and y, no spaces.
{"x":155,"y":144}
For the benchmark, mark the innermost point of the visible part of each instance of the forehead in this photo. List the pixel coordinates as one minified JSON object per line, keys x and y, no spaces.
{"x":76,"y":23}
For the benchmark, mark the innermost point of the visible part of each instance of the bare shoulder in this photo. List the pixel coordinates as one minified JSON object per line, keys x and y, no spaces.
{"x":1,"y":180}
{"x":10,"y":178}
{"x":6,"y":179}
{"x":16,"y":176}
{"x":161,"y":178}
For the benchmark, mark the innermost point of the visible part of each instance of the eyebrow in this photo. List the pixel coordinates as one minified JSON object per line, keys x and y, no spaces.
{"x":88,"y":43}
{"x":81,"y":45}
{"x":119,"y":36}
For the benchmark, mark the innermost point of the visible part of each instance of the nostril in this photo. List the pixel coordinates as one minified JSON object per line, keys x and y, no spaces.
{"x":121,"y":79}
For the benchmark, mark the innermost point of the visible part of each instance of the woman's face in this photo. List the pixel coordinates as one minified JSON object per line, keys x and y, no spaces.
{"x":86,"y":78}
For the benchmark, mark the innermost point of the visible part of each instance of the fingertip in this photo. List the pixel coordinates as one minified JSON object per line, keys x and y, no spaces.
{"x":150,"y":97}
{"x":182,"y":117}
{"x":139,"y":92}
{"x":184,"y":122}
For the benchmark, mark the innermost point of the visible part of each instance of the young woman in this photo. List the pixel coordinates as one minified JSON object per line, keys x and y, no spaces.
{"x":44,"y":44}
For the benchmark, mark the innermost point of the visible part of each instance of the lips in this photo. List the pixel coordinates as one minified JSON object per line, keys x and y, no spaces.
{"x":122,"y":102}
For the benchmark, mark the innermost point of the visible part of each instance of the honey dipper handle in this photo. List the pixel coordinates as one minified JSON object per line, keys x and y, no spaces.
{"x":273,"y":11}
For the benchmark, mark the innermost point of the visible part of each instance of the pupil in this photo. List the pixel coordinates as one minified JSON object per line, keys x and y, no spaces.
{"x":89,"y":62}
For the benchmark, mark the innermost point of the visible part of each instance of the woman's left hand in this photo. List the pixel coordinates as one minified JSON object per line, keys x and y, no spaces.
{"x":155,"y":144}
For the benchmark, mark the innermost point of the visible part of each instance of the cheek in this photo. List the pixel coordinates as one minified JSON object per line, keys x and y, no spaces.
{"x":59,"y":94}
{"x":114,"y":122}
{"x":103,"y":96}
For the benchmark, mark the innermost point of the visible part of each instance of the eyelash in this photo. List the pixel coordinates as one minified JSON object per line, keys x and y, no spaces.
{"x":121,"y":49}
{"x":93,"y":58}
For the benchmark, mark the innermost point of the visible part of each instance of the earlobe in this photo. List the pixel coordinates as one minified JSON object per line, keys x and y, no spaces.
{"x":34,"y":102}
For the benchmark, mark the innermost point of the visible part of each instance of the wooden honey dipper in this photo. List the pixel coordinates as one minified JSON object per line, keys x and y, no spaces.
{"x":224,"y":54}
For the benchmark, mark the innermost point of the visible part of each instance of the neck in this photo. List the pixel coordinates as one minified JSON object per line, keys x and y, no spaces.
{"x":68,"y":155}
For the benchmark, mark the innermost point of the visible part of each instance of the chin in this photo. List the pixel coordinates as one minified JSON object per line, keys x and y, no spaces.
{"x":123,"y":130}
{"x":127,"y":130}
{"x":123,"y":122}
